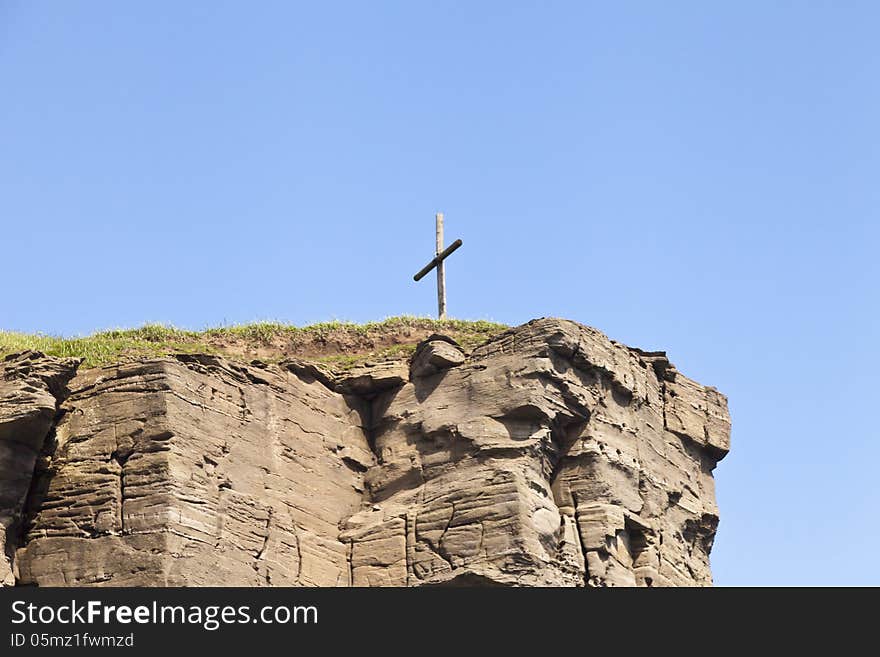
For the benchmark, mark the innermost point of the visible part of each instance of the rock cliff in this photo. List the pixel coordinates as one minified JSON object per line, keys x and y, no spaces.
{"x":548,"y":456}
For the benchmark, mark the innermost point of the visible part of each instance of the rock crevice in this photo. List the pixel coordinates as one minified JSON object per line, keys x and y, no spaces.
{"x":32,"y":389}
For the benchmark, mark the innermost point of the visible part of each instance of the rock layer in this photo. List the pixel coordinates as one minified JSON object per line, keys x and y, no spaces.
{"x":550,"y":456}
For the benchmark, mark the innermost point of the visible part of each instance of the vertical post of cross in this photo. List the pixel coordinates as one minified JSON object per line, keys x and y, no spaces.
{"x":440,"y":254}
{"x":441,"y":274}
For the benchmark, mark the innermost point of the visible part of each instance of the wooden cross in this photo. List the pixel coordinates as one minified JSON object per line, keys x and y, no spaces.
{"x":439,"y":256}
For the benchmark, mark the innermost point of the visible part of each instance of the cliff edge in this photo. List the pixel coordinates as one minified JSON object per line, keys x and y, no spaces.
{"x":547,"y":456}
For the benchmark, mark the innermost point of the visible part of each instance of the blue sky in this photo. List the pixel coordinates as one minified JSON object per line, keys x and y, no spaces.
{"x":695,"y":177}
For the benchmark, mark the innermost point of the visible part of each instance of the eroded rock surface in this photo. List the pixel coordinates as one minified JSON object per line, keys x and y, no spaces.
{"x":548,"y":456}
{"x":31,"y":389}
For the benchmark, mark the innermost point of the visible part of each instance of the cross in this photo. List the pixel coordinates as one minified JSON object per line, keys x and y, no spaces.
{"x":439,"y":256}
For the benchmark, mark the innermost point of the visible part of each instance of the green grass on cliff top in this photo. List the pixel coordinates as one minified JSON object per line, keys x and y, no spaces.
{"x":275,"y":340}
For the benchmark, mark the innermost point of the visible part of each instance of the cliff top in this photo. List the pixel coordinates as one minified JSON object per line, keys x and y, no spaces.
{"x":340,"y":344}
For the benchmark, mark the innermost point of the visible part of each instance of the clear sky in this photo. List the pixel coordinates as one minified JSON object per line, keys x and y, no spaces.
{"x":689,"y":176}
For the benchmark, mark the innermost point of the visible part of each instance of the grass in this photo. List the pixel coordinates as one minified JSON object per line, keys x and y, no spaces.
{"x":275,"y":340}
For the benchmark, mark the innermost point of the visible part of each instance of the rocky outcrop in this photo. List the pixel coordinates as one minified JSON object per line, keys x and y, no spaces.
{"x":550,"y":456}
{"x":31,"y":389}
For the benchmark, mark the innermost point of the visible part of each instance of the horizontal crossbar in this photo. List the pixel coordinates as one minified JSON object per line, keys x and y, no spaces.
{"x":437,"y":260}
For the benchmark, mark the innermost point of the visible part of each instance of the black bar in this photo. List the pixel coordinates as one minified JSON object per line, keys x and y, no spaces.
{"x":437,"y":260}
{"x":213,"y":618}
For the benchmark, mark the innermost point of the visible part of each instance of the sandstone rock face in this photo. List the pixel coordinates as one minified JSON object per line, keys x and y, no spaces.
{"x":30,"y":390}
{"x":550,"y":456}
